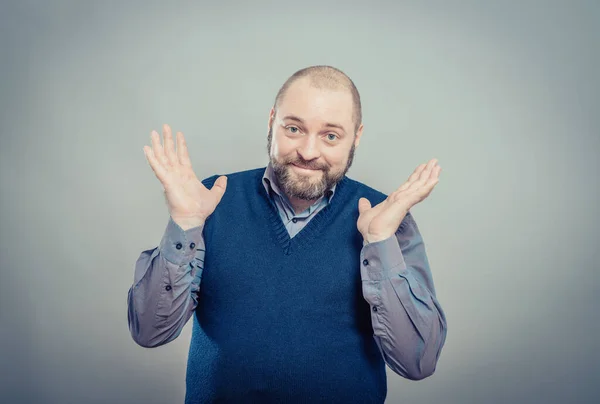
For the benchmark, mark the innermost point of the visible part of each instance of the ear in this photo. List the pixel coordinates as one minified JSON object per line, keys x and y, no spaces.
{"x":359,"y":133}
{"x":271,"y":117}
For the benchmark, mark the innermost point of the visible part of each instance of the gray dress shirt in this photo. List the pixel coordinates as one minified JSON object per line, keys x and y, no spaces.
{"x":408,"y":322}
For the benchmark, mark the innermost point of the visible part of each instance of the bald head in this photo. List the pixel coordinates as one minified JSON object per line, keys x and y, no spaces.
{"x":325,"y":78}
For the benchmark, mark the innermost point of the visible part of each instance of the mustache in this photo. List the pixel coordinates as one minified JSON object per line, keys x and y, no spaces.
{"x":313,"y":165}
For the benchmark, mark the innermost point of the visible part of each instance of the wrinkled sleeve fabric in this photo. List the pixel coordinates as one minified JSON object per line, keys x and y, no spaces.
{"x":409,"y":324}
{"x":166,"y":281}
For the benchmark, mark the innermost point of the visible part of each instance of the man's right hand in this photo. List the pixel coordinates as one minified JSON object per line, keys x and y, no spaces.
{"x":188,"y":200}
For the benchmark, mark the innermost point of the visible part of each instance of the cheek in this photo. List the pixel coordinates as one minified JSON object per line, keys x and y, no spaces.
{"x":336,"y":159}
{"x":282,"y":146}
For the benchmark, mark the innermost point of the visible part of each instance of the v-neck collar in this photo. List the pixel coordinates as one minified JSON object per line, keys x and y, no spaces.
{"x":311,"y":230}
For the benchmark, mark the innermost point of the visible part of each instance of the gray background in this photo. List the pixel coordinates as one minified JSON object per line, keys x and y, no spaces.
{"x":504,"y":94}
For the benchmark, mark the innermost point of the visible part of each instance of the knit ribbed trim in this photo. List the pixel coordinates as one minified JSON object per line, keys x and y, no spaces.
{"x":312,"y":229}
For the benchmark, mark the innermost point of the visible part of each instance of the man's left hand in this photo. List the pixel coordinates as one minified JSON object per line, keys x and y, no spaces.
{"x":381,"y":221}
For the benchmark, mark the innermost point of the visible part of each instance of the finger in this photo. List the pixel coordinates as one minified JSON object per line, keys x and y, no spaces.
{"x":380,"y":206}
{"x":169,"y":145}
{"x":157,"y":148}
{"x":157,"y":168}
{"x":413,"y":177}
{"x":428,"y":169}
{"x":423,"y":188}
{"x":182,"y":151}
{"x":218,"y":188}
{"x":426,"y":190}
{"x":424,"y":175}
{"x":434,"y":178}
{"x":363,"y":205}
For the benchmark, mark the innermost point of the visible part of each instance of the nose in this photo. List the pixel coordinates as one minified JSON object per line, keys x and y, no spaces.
{"x":309,"y":149}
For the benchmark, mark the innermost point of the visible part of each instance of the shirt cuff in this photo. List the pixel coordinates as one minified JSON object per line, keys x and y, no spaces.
{"x":179,"y":246}
{"x":381,"y":258}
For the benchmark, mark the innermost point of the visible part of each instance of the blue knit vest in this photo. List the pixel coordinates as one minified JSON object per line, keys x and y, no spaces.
{"x":280,"y":319}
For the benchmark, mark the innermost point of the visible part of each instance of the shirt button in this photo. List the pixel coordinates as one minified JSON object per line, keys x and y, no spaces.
{"x":366,"y":262}
{"x":168,"y":287}
{"x":192,"y":245}
{"x":294,"y":220}
{"x":178,"y":246}
{"x":374,"y":308}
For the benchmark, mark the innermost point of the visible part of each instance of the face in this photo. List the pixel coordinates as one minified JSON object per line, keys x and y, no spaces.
{"x":311,"y":140}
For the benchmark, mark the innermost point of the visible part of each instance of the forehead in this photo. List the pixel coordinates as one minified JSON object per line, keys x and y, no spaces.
{"x":317,"y":105}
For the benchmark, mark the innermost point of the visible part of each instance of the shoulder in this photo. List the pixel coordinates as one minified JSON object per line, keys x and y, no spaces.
{"x":363,"y":190}
{"x":235,"y":178}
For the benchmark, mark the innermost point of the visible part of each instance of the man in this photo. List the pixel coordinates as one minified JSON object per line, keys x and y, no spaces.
{"x":303,"y":282}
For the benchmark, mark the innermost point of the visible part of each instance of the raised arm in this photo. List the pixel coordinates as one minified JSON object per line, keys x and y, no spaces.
{"x":167,"y":278}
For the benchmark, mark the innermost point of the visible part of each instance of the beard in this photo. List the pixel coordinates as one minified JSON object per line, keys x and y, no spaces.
{"x":301,"y":186}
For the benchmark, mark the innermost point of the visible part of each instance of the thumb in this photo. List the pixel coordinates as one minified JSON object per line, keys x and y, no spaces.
{"x":363,"y":205}
{"x":218,"y":188}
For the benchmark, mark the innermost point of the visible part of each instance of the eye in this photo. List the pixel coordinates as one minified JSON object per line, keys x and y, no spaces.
{"x":331,"y":136}
{"x":293,"y":127}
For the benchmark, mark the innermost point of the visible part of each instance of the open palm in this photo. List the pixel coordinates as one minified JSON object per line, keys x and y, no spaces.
{"x":381,"y":221}
{"x":186,"y":196}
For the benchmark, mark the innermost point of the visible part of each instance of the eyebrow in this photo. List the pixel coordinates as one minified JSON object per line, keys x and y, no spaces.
{"x":327,"y":124}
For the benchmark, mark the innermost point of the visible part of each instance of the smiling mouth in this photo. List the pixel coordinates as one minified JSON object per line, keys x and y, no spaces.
{"x":305,"y":168}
